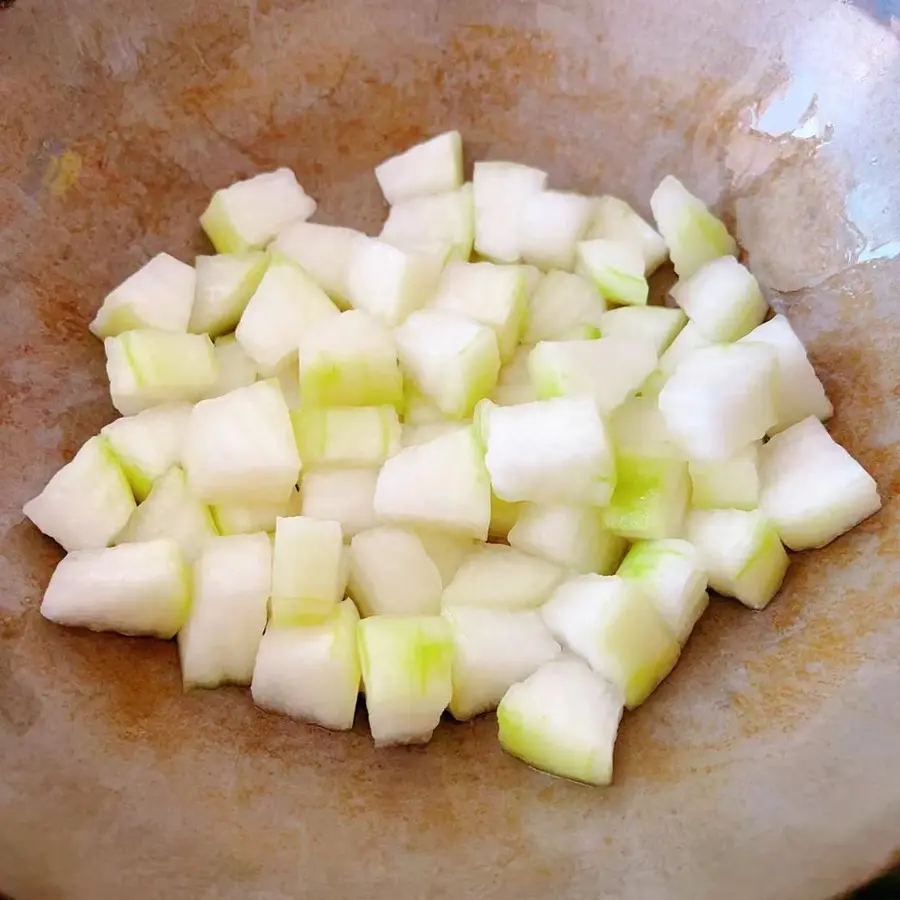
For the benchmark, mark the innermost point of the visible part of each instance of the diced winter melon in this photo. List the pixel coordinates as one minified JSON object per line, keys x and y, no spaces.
{"x":721,"y":399}
{"x":800,"y":393}
{"x":514,"y":394}
{"x":248,"y":518}
{"x":353,"y":436}
{"x":515,"y":371}
{"x":307,"y":570}
{"x":573,"y":537}
{"x":390,"y":283}
{"x":486,"y":293}
{"x":501,"y":190}
{"x":447,"y":218}
{"x":442,"y":484}
{"x":723,"y":299}
{"x":741,"y":553}
{"x":615,"y":220}
{"x":225,"y":284}
{"x":606,"y":370}
{"x":170,"y":511}
{"x":289,"y":381}
{"x":693,"y":234}
{"x":432,"y":167}
{"x":149,"y":444}
{"x":325,"y":252}
{"x":450,"y":359}
{"x":637,"y":428}
{"x":87,"y":502}
{"x":159,"y":295}
{"x":563,"y":719}
{"x":232,"y":583}
{"x":651,"y":497}
{"x":813,"y":490}
{"x":240,"y":447}
{"x":616,"y":268}
{"x":413,"y":435}
{"x":552,"y":451}
{"x":618,"y":631}
{"x":236,"y":369}
{"x":419,"y":409}
{"x":141,"y":589}
{"x":564,"y":307}
{"x":688,"y":341}
{"x":495,"y":576}
{"x":391,"y":574}
{"x":350,"y":360}
{"x":550,"y":224}
{"x":492,"y":650}
{"x":311,"y":673}
{"x":671,"y":574}
{"x":344,"y":495}
{"x":658,"y":325}
{"x":447,"y":551}
{"x":249,"y":213}
{"x":146,"y":368}
{"x":727,"y":483}
{"x":285,"y":306}
{"x":406,"y":663}
{"x":504,"y":515}
{"x":532,"y":277}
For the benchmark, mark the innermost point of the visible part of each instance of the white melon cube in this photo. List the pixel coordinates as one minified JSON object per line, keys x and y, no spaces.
{"x":657,"y":325}
{"x":501,"y":190}
{"x":671,"y":574}
{"x":149,"y":444}
{"x":573,"y":537}
{"x":504,"y":515}
{"x":432,"y":167}
{"x":616,"y":268}
{"x":616,"y":629}
{"x":171,"y":511}
{"x":343,"y":495}
{"x":406,"y":668}
{"x":813,"y":490}
{"x":800,"y":393}
{"x":727,"y":483}
{"x":159,"y":295}
{"x":494,"y":576}
{"x":413,"y":435}
{"x":249,"y":213}
{"x":248,"y":518}
{"x":285,"y":306}
{"x":493,"y":650}
{"x":637,"y":428}
{"x":721,"y":399}
{"x":391,"y":574}
{"x":723,"y":299}
{"x":311,"y":673}
{"x":615,"y":220}
{"x":435,"y":219}
{"x":146,"y":368}
{"x":419,"y":409}
{"x":563,"y":719}
{"x":487,"y":293}
{"x":447,"y":551}
{"x":307,"y":577}
{"x":350,"y":360}
{"x":325,"y":252}
{"x":607,"y":370}
{"x":442,"y":484}
{"x":550,"y":224}
{"x":564,"y":307}
{"x":552,"y":451}
{"x":450,"y":359}
{"x":240,"y":447}
{"x":236,"y":368}
{"x":353,"y":436}
{"x":232,"y":584}
{"x":741,"y":553}
{"x":225,"y":284}
{"x":87,"y":502}
{"x":688,"y":340}
{"x":140,"y":589}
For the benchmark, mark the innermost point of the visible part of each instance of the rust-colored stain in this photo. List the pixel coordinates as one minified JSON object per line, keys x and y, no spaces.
{"x":120,"y":120}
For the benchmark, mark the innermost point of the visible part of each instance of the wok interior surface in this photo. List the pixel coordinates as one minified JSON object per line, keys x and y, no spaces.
{"x":766,"y":765}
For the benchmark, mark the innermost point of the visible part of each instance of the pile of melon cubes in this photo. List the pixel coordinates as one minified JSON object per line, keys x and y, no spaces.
{"x":462,"y":465}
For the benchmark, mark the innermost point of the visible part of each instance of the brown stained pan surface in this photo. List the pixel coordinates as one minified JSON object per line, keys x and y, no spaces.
{"x":766,"y":766}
